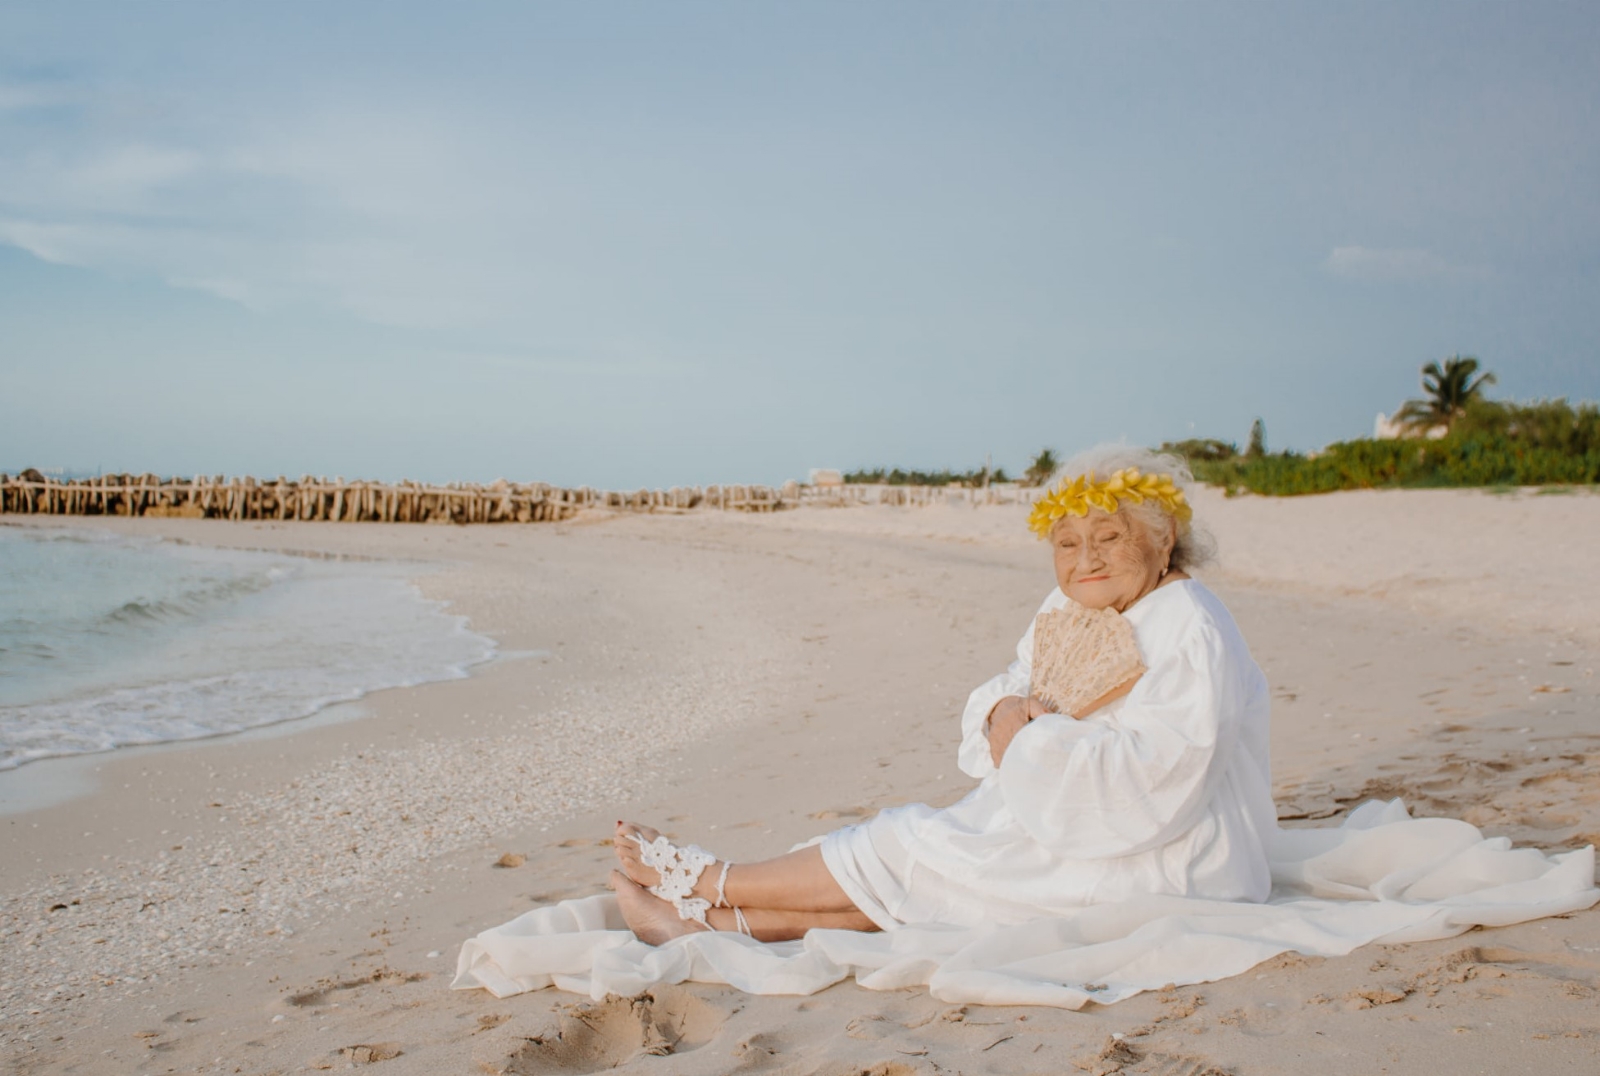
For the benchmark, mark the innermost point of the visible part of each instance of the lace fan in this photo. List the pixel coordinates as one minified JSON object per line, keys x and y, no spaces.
{"x":1081,"y":655}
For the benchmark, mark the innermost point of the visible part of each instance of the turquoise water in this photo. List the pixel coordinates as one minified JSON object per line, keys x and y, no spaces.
{"x":108,"y":641}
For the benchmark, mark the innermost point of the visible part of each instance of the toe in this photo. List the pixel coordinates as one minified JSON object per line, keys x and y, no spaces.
{"x":645,"y":833}
{"x":628,"y":857}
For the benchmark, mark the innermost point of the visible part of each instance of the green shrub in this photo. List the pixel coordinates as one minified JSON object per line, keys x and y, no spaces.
{"x":880,"y":476}
{"x":1547,"y":442}
{"x":1201,"y":448}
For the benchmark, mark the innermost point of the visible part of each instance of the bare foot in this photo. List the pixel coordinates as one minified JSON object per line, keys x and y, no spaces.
{"x":652,"y":920}
{"x":628,"y":858}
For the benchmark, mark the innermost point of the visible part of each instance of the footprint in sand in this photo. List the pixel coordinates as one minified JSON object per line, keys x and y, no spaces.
{"x":882,"y":1068}
{"x":1500,"y":962}
{"x":833,"y":813}
{"x":604,"y":1035}
{"x":325,"y":990}
{"x":1548,"y":820}
{"x":1118,"y":1056}
{"x":758,"y":1050}
{"x":1370,"y":997}
{"x":368,"y":1053}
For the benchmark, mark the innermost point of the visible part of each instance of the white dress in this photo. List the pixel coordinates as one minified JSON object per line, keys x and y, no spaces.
{"x":1165,"y":792}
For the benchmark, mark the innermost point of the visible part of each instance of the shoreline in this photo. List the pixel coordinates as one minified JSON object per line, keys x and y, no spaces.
{"x":854,"y":637}
{"x":166,"y":640}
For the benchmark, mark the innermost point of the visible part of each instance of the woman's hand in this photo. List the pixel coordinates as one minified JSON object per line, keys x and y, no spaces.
{"x":1007,"y":719}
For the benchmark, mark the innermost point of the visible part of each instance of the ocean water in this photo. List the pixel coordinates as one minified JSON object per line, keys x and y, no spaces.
{"x":107,"y":641}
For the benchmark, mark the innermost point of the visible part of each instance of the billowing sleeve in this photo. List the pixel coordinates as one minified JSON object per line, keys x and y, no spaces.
{"x":1136,"y":778}
{"x":973,"y":757}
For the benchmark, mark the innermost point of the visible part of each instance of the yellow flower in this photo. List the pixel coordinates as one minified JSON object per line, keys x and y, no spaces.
{"x":1077,"y":495}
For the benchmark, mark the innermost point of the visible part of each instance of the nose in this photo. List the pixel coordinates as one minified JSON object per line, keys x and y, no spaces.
{"x":1089,"y":557}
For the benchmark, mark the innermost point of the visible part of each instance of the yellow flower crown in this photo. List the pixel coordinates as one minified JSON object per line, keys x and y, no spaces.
{"x":1074,"y":497}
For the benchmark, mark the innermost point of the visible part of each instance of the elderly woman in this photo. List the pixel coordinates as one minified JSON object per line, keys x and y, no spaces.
{"x":1161,"y":789}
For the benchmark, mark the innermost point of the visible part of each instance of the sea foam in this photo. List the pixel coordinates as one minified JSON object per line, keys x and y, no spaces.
{"x":107,"y":641}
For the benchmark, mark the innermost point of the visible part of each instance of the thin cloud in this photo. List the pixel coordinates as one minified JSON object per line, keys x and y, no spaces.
{"x":620,"y":365}
{"x":390,"y":215}
{"x":28,"y":97}
{"x":133,"y":170}
{"x":172,"y":253}
{"x":1397,"y":263}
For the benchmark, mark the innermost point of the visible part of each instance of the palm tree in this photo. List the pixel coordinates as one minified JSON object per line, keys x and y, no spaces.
{"x":1449,"y":391}
{"x":1043,"y":466}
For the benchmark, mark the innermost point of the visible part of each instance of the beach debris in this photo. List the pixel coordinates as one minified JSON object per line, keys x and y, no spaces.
{"x":511,"y":859}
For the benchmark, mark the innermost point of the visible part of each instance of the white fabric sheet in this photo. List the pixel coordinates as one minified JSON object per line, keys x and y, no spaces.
{"x":1381,"y":877}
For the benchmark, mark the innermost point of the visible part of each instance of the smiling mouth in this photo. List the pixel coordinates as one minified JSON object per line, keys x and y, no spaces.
{"x":1094,"y":579}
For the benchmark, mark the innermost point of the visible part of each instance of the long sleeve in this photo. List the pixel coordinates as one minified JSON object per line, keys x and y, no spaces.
{"x":1137,"y":776}
{"x":973,"y":757}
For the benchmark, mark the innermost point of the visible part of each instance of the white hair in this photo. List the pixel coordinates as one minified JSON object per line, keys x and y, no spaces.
{"x":1194,"y":546}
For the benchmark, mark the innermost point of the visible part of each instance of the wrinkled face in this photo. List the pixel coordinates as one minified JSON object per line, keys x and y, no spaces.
{"x":1106,"y":561}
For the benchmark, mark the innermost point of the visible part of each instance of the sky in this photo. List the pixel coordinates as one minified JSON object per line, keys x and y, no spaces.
{"x":645,"y":244}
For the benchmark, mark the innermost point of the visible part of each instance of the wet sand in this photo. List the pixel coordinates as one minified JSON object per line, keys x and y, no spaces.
{"x":294,"y":901}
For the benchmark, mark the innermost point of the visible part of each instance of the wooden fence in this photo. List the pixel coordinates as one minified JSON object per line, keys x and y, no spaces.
{"x":204,"y":497}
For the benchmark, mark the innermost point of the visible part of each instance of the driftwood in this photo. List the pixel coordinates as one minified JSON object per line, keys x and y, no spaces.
{"x":218,"y":497}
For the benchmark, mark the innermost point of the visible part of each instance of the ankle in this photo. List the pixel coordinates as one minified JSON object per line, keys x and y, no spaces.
{"x":719,"y":890}
{"x":730,"y":921}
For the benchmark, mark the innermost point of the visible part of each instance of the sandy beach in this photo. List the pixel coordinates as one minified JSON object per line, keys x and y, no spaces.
{"x":293,"y":899}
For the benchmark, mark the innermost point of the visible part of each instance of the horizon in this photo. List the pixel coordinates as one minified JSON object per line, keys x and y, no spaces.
{"x":627,"y":247}
{"x":998,"y":474}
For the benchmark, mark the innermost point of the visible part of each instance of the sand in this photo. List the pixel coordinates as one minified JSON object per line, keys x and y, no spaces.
{"x":293,"y":901}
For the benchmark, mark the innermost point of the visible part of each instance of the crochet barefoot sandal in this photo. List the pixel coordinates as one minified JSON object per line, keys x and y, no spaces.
{"x":680,"y":870}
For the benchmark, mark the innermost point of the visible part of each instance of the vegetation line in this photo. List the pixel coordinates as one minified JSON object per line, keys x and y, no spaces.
{"x":1452,"y":437}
